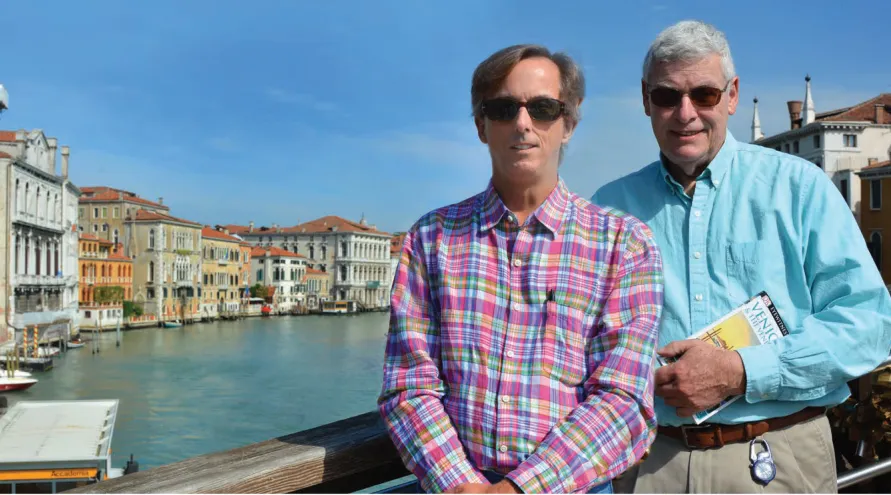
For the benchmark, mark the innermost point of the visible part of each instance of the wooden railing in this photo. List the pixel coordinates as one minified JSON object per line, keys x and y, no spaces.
{"x":346,"y":456}
{"x":342,"y":457}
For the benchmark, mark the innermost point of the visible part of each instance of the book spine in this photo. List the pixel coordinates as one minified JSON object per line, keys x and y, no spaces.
{"x":774,"y":313}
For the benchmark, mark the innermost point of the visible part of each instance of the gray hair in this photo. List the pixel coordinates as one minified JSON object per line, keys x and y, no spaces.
{"x":689,"y":40}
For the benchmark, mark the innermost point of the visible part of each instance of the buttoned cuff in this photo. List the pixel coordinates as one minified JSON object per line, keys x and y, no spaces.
{"x":449,"y":472}
{"x":541,"y":473}
{"x":762,"y":368}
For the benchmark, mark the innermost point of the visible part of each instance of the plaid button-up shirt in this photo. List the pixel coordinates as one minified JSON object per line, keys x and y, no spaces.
{"x":523,"y":349}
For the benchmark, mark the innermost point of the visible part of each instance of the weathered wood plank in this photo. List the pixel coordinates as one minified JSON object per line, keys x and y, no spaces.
{"x":354,"y":452}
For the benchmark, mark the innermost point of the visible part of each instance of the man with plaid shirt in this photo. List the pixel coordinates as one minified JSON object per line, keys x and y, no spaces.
{"x":520,"y":354}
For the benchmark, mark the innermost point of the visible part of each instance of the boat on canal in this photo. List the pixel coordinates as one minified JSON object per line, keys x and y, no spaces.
{"x":15,"y":383}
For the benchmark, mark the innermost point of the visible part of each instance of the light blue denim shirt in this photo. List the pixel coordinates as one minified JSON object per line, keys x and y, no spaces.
{"x":760,"y":220}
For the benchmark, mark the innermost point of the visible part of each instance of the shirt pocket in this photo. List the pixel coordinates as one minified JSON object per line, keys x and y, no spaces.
{"x":748,"y":265}
{"x":563,"y":344}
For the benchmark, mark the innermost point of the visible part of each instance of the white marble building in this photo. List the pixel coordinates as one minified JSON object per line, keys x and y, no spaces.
{"x":841,"y":141}
{"x":39,"y":223}
{"x":355,"y":254}
{"x":285,"y":272}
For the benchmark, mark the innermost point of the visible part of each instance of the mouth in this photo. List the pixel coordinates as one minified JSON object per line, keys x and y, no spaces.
{"x":523,"y":147}
{"x":687,"y":133}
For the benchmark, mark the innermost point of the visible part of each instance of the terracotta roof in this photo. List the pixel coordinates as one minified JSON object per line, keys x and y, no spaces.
{"x":236,"y":229}
{"x":118,"y":254}
{"x":862,"y":112}
{"x":104,"y":193}
{"x":262,"y":252}
{"x":91,"y":237}
{"x":313,"y":271}
{"x":876,"y":165}
{"x":7,"y":136}
{"x":328,"y":223}
{"x":210,"y":233}
{"x":145,"y":216}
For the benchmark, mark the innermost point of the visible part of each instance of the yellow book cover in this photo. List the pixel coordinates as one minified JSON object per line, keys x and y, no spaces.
{"x":753,"y":323}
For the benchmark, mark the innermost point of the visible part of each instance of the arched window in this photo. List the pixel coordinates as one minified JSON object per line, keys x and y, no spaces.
{"x":151,"y":273}
{"x":152,"y":239}
{"x":27,"y":205}
{"x":875,"y":248}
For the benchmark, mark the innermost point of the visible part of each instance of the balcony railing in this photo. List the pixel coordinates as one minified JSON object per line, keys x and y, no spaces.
{"x":25,"y":217}
{"x":40,"y":280}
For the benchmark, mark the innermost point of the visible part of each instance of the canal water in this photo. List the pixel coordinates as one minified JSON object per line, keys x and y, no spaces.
{"x":215,"y":386}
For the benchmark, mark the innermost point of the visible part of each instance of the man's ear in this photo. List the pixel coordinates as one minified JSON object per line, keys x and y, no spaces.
{"x":646,"y":97}
{"x":481,"y":129}
{"x":567,"y":130}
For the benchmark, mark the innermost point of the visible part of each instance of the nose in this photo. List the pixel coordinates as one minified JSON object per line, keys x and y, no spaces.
{"x":686,"y":111}
{"x":523,"y":121}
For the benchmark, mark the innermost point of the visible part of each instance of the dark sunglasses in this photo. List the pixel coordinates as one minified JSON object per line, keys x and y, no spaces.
{"x":702,"y":96}
{"x":506,"y":109}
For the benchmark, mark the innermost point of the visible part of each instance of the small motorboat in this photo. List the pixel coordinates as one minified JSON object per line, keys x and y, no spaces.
{"x":172,"y":324}
{"x":15,"y":374}
{"x":76,"y":344}
{"x":15,"y":384}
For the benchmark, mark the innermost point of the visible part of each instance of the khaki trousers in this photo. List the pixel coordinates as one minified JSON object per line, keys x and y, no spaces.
{"x":803,"y":454}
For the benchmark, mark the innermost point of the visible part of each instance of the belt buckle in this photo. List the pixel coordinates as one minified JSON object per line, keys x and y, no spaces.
{"x":685,"y":428}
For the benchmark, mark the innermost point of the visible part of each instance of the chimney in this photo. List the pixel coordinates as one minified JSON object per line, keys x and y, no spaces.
{"x":880,"y":113}
{"x":53,"y":145}
{"x":251,"y":226}
{"x":160,"y":200}
{"x":226,"y":231}
{"x":871,"y":161}
{"x":65,"y":153}
{"x":794,"y":114}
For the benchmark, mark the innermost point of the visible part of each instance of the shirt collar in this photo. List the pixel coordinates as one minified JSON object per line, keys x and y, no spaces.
{"x":715,"y":171}
{"x":550,"y":213}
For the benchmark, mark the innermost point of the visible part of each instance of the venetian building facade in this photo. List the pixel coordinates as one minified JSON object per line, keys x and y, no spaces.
{"x":166,"y":254}
{"x":355,"y":255}
{"x":841,"y":141}
{"x":40,"y":241}
{"x":103,"y":266}
{"x":222,"y":273}
{"x":284,"y":274}
{"x":102,"y":211}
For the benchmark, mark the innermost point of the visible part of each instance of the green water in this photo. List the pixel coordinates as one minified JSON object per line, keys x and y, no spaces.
{"x":216,"y":386}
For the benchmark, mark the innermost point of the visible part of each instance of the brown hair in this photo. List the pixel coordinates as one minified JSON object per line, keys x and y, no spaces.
{"x":491,"y":73}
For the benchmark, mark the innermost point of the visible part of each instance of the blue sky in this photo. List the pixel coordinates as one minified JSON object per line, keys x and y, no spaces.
{"x":284,"y":111}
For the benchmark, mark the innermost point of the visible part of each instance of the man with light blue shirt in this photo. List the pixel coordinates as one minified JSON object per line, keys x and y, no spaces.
{"x":733,"y":219}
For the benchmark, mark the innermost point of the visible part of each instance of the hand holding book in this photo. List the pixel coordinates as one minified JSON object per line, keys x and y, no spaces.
{"x":706,"y":373}
{"x":701,"y":376}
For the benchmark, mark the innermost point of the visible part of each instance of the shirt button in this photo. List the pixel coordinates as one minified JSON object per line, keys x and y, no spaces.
{"x":717,"y":183}
{"x":505,"y":399}
{"x":503,"y":448}
{"x":516,"y":306}
{"x":697,"y":255}
{"x":510,"y":354}
{"x":510,"y":218}
{"x":698,"y":297}
{"x":697,"y":213}
{"x":517,"y":262}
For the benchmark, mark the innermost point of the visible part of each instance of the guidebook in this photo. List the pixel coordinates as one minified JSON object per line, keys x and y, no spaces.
{"x":754,"y":323}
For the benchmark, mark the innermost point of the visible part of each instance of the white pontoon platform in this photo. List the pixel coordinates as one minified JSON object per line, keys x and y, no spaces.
{"x":56,"y":441}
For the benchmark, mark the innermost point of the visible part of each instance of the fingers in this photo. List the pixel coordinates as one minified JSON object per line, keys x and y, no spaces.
{"x":665,"y":374}
{"x":677,"y":347}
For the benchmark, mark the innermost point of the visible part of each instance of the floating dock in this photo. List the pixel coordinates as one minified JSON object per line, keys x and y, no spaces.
{"x":57,"y":444}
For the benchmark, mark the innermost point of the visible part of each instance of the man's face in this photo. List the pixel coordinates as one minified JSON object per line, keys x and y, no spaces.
{"x":690,"y":134}
{"x":525,"y":150}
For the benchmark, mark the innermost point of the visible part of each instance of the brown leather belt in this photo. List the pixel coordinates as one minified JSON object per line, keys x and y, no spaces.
{"x":706,"y":436}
